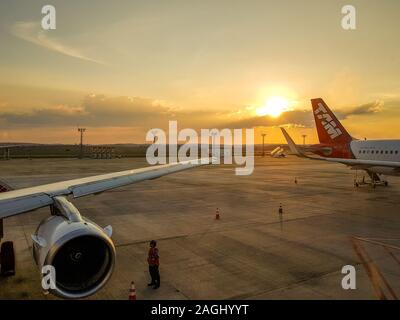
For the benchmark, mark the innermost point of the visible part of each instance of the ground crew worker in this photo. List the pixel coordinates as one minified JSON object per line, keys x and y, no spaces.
{"x":280,"y":209}
{"x":295,"y":180}
{"x":154,"y":261}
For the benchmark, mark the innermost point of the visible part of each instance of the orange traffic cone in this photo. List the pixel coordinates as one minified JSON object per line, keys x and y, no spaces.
{"x":132,"y":292}
{"x":217,"y":214}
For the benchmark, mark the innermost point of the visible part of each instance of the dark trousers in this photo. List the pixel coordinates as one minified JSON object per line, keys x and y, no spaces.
{"x":155,"y":275}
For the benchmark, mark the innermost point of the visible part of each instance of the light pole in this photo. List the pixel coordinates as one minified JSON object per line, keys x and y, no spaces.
{"x":304,"y":139}
{"x":81,"y":130}
{"x":263,"y":150}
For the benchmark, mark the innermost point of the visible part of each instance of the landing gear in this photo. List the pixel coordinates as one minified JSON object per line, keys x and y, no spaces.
{"x":357,"y":183}
{"x":375,"y":180}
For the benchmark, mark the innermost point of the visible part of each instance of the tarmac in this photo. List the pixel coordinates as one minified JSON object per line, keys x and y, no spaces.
{"x":250,"y":253}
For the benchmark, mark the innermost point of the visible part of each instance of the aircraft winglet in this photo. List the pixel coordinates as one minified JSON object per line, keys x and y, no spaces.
{"x":293,"y":147}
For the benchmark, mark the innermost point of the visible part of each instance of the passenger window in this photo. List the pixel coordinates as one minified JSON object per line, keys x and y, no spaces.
{"x":386,"y":152}
{"x":391,"y":151}
{"x":381,"y":151}
{"x":396,"y":152}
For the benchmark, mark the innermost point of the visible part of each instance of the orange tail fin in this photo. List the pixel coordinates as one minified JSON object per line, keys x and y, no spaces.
{"x":329,"y":128}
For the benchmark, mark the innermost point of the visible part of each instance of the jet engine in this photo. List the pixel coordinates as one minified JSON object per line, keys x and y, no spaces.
{"x":81,"y":252}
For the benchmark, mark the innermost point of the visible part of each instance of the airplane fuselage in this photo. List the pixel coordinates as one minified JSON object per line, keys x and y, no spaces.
{"x":377,"y":150}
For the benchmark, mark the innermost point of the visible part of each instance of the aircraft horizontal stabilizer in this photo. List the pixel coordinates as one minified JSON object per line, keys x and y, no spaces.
{"x":293,"y":147}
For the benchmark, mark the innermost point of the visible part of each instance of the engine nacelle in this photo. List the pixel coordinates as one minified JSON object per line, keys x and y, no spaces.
{"x":81,"y":252}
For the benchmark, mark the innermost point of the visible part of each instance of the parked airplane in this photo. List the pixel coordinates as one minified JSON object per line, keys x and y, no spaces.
{"x":81,"y":252}
{"x":278,"y":152}
{"x":376,"y":157}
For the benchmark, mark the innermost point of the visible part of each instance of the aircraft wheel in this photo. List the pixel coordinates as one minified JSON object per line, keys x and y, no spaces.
{"x":356,"y":184}
{"x":386,"y":183}
{"x":7,"y":259}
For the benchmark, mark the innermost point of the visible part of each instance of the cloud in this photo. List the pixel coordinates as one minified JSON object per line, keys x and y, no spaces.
{"x":304,"y":118}
{"x":365,"y":109}
{"x":94,"y":110}
{"x":32,"y":32}
{"x":97,"y":110}
{"x":298,"y":118}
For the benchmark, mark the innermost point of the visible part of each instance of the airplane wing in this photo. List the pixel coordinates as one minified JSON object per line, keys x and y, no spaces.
{"x":354,"y":163}
{"x":23,"y":200}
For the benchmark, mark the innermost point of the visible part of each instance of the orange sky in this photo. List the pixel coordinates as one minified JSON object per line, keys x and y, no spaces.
{"x":120,"y":70}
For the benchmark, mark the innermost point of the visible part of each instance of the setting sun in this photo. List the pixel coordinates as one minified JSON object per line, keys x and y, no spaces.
{"x":273,"y":107}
